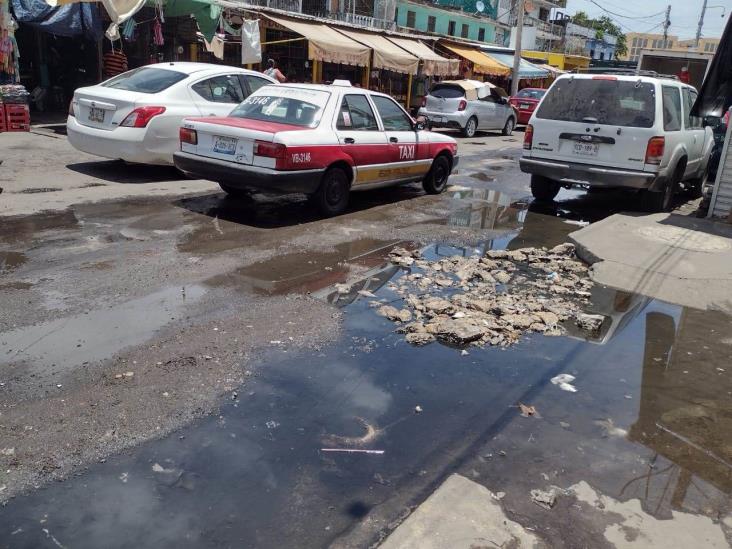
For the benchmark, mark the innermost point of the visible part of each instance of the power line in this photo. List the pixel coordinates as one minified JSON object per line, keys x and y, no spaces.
{"x":625,"y":16}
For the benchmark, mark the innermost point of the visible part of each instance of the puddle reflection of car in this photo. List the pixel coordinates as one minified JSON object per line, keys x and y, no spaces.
{"x":486,"y":209}
{"x":469,"y":106}
{"x":323,"y":141}
{"x":136,"y":116}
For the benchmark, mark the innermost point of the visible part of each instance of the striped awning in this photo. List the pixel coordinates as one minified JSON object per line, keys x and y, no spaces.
{"x":527,"y":71}
{"x":482,"y":63}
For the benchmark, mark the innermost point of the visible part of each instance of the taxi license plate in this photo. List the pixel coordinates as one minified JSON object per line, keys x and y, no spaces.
{"x":524,"y":106}
{"x":96,"y":114}
{"x":586,"y":149}
{"x":224,"y":145}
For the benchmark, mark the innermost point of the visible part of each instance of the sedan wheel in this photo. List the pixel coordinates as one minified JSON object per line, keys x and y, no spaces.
{"x":508,"y":128}
{"x":436,"y":180}
{"x":471,"y":127}
{"x":331,"y":198}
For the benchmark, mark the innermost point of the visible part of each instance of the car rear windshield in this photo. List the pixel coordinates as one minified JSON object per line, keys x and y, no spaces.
{"x":531,"y":94}
{"x":145,"y":80}
{"x":608,"y":101}
{"x":447,"y":91}
{"x":301,"y":108}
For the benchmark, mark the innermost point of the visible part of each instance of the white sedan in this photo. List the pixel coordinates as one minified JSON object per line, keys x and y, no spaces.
{"x":136,"y":116}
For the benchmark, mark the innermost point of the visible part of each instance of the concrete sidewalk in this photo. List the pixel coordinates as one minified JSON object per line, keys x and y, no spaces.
{"x":678,"y":259}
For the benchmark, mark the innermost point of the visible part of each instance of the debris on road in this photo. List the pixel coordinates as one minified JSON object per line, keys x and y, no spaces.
{"x":610,"y":429}
{"x":564,"y":382}
{"x":418,"y":409}
{"x":528,"y":411}
{"x":352,"y":451}
{"x":490,"y":300}
{"x":544,"y":498}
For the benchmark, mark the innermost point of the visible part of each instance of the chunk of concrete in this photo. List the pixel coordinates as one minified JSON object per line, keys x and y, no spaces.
{"x":461,"y":514}
{"x":679,"y":259}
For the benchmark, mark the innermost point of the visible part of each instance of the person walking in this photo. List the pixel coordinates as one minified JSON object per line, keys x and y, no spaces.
{"x":273,"y":72}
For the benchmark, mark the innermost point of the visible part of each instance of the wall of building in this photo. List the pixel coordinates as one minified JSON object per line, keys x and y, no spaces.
{"x":422,"y":12}
{"x":643,"y":41}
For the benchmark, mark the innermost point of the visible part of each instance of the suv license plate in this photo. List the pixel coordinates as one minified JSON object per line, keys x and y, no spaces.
{"x":96,"y":115}
{"x":225,"y":145}
{"x":524,"y":106}
{"x":586,"y":149}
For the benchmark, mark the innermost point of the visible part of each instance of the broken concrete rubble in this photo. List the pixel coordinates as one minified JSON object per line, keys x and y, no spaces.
{"x":490,"y":300}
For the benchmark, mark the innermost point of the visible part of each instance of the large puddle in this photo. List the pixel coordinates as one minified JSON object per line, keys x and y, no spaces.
{"x":653,"y":386}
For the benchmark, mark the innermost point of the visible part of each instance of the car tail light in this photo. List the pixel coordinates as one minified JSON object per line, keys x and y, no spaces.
{"x":529,"y":137}
{"x":270,"y":150}
{"x":655,"y":149}
{"x":140,"y":117}
{"x":71,"y":109}
{"x":424,"y":101}
{"x":463,"y":105}
{"x":189,"y":136}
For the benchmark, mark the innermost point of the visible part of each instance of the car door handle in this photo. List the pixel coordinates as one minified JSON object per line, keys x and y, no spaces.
{"x":393,"y":140}
{"x":349,"y":140}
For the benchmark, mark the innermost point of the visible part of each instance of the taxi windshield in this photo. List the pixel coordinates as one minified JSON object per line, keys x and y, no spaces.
{"x":295,"y":106}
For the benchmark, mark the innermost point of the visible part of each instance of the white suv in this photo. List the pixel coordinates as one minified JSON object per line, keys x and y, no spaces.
{"x":607,"y":130}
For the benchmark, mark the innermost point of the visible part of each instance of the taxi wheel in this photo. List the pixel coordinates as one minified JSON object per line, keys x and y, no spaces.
{"x":436,"y":180}
{"x":235,"y":192}
{"x":331,"y":198}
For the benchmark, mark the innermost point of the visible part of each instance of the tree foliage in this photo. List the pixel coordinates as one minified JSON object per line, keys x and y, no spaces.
{"x":603,"y":25}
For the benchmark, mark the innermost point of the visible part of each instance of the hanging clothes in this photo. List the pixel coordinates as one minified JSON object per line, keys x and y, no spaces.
{"x":216,"y":46}
{"x":158,"y":39}
{"x":128,"y":29}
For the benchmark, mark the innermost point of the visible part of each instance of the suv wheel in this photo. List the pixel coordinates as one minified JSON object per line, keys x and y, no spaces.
{"x":695,"y":187}
{"x":436,"y":179}
{"x":331,"y":198}
{"x":471,"y":127}
{"x":510,"y":125}
{"x":661,"y":201}
{"x":544,"y":189}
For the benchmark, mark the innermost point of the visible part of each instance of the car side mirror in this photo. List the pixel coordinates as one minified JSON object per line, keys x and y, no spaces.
{"x":420,"y":124}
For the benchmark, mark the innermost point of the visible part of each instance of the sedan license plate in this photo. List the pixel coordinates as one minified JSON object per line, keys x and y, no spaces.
{"x":225,"y":145}
{"x":96,"y":114}
{"x":438,"y":119}
{"x":586,"y":149}
{"x":524,"y":106}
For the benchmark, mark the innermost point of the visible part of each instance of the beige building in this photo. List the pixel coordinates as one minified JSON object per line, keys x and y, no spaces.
{"x":638,"y":41}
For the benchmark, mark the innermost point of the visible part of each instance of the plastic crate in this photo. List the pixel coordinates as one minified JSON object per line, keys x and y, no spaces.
{"x":17,"y":118}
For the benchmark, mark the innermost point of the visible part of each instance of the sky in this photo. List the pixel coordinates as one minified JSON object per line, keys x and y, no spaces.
{"x":684,"y":15}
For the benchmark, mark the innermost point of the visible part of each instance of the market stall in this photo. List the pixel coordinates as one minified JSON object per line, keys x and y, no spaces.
{"x":476,"y":62}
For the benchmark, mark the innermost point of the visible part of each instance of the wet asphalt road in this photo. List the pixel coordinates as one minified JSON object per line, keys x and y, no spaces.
{"x":246,"y":362}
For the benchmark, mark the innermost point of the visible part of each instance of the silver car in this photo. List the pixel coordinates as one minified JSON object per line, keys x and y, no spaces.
{"x":468,"y":105}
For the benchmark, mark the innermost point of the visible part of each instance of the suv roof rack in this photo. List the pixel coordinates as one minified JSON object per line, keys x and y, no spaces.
{"x":624,"y":72}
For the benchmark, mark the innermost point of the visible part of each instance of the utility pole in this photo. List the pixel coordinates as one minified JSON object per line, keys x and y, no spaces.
{"x":666,"y":25}
{"x":517,"y":55}
{"x":701,"y":24}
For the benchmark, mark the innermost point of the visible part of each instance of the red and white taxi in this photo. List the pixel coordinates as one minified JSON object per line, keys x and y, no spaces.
{"x":324,"y":141}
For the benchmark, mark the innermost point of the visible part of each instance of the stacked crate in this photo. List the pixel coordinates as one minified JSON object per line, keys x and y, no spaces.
{"x":14,"y":111}
{"x":17,"y":117}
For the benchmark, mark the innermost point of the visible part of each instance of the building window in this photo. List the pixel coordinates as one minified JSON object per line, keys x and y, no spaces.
{"x":464,"y":31}
{"x":481,"y":34}
{"x":451,"y":28}
{"x":411,"y":16}
{"x":602,"y":56}
{"x":635,"y":42}
{"x":431,"y":23}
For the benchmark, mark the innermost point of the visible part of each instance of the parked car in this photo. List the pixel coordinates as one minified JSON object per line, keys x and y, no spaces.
{"x":608,"y":130}
{"x":470,"y":106}
{"x":324,"y":141}
{"x":136,"y":116}
{"x":525,"y":102}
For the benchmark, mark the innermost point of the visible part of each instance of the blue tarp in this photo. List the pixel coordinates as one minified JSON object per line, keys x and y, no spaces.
{"x":69,"y":20}
{"x":526,"y":69}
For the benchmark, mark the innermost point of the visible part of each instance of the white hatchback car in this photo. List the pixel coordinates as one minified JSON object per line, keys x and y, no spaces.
{"x":617,"y":130}
{"x":136,"y":116}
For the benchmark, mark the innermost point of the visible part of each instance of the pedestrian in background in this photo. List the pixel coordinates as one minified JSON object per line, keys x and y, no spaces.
{"x":274,"y":72}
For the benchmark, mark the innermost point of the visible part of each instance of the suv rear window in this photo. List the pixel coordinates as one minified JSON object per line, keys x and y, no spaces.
{"x":298,"y":107}
{"x":145,"y":80}
{"x":447,"y":91}
{"x":612,"y":102}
